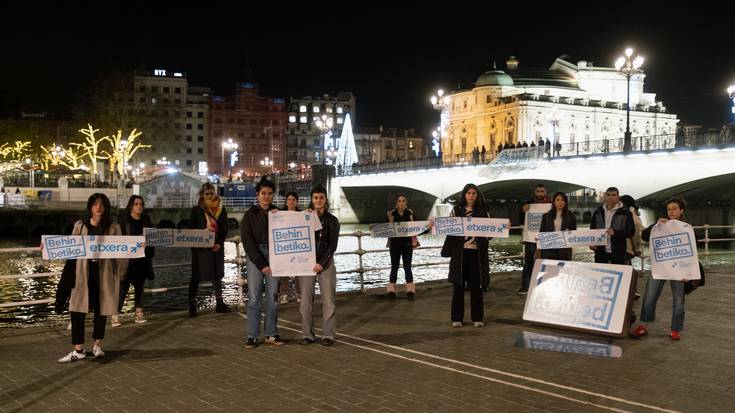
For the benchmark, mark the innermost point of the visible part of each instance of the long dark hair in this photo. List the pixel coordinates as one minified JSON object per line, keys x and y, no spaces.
{"x":106,"y":221}
{"x":566,"y":204}
{"x":131,"y":202}
{"x":479,"y":203}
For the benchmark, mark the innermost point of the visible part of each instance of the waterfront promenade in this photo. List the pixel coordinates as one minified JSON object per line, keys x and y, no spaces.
{"x":390,"y":356}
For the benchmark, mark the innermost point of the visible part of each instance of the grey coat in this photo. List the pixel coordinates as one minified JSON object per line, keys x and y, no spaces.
{"x":111,"y":272}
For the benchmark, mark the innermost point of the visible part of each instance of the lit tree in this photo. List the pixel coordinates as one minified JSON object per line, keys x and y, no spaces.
{"x":52,"y":155}
{"x":73,"y":159}
{"x":16,"y":151}
{"x":123,"y":149}
{"x":91,"y":147}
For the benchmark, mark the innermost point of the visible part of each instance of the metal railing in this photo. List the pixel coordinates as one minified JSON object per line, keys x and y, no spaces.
{"x":360,"y":269}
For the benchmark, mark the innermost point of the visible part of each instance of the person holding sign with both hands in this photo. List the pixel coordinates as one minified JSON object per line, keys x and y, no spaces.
{"x":401,"y":247}
{"x":559,"y":218}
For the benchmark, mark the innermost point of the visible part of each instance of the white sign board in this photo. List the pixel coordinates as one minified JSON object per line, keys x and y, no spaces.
{"x":533,"y":221}
{"x":291,"y":247}
{"x":64,"y":247}
{"x":674,"y":254}
{"x":472,"y":227}
{"x":587,"y":296}
{"x":571,"y":239}
{"x":399,"y":229}
{"x":179,"y":238}
{"x":548,"y":342}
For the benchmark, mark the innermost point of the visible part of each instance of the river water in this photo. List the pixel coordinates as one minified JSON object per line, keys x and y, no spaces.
{"x":25,"y":289}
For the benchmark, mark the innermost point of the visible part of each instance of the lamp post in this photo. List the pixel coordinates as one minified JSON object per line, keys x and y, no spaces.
{"x":57,"y":154}
{"x":267,"y":162}
{"x":324,"y":124}
{"x":441,"y":104}
{"x":731,"y":94}
{"x":31,"y":167}
{"x":628,"y":66}
{"x":227,"y":146}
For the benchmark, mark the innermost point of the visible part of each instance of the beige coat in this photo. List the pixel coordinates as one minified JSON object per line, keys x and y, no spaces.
{"x":635,"y":244}
{"x":111,"y":272}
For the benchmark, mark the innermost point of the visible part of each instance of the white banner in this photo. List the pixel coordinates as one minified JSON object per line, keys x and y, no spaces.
{"x":399,"y":229}
{"x":178,"y":238}
{"x":580,"y":295}
{"x":472,"y":227}
{"x":533,"y":221}
{"x":571,"y":239}
{"x":291,"y":247}
{"x":58,"y":247}
{"x":673,"y":249}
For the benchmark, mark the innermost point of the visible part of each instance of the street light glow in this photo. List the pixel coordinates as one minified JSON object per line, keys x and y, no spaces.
{"x":629,"y":51}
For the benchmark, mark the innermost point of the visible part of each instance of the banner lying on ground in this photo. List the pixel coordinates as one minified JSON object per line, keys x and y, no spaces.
{"x":181,"y":238}
{"x":579,"y":295}
{"x":674,"y":254}
{"x":398,"y":229}
{"x":472,"y":227}
{"x":533,"y":221}
{"x":549,"y":342}
{"x":291,"y":247}
{"x":57,"y":247}
{"x":571,"y":239}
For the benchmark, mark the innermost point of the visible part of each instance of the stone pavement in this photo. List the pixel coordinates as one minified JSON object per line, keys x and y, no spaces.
{"x":390,"y":356}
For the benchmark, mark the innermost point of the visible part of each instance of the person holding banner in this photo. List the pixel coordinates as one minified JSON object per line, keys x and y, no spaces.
{"x":254,"y":232}
{"x":97,"y":286}
{"x":401,"y":247}
{"x":468,"y":261}
{"x":326,"y":240}
{"x":132,"y":221}
{"x":675,"y":210}
{"x":208,"y":264}
{"x":529,"y":248}
{"x":618,"y":221}
{"x":559,"y":218}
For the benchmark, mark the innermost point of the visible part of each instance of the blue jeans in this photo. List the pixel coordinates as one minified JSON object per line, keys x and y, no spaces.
{"x":255,"y":296}
{"x":650,"y":297}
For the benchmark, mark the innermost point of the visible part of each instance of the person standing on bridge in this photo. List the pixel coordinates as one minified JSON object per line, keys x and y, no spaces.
{"x":208,"y":264}
{"x":97,"y":286}
{"x":559,"y":218}
{"x":132,"y":221}
{"x":674,"y":210}
{"x":326,"y":240}
{"x":254,"y":232}
{"x":529,"y":248}
{"x":618,"y":221}
{"x":401,"y":247}
{"x":468,"y":260}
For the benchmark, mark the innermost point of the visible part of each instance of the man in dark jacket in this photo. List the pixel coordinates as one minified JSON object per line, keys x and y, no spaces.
{"x":254,"y":232}
{"x":618,"y":221}
{"x":529,"y":248}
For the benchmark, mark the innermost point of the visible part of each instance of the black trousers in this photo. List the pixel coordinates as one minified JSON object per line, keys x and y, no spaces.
{"x":396,"y":253}
{"x":138,"y":292}
{"x":194,"y":286}
{"x":471,"y":275}
{"x":77,"y":319}
{"x":607,"y":258}
{"x":529,"y":250}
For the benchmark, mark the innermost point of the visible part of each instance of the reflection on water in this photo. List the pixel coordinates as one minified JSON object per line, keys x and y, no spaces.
{"x":42,"y":288}
{"x":561,"y":344}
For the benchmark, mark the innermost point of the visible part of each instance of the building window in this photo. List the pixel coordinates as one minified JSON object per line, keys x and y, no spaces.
{"x":166,"y":90}
{"x":188,"y":114}
{"x":329,"y":108}
{"x":292,"y":118}
{"x":177,"y":90}
{"x":188,"y":138}
{"x":200,"y":126}
{"x":340,"y":120}
{"x":188,"y":126}
{"x":188,"y":150}
{"x":410,"y":144}
{"x":141,"y":89}
{"x":316,"y":156}
{"x":302,"y":119}
{"x":315,"y":108}
{"x":200,"y":115}
{"x":188,"y":162}
{"x":200,"y":150}
{"x":141,"y":100}
{"x":200,"y":138}
{"x":154,"y":89}
{"x":339,"y":109}
{"x":302,"y":108}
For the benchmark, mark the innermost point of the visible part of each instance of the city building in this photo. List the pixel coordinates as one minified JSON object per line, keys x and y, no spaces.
{"x":574,"y":104}
{"x":197,"y":130}
{"x":315,"y":126}
{"x":375,"y":145}
{"x":40,"y":128}
{"x":256,"y":124}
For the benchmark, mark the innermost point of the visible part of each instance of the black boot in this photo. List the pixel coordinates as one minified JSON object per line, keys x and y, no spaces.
{"x":221,"y":307}
{"x":193,"y":308}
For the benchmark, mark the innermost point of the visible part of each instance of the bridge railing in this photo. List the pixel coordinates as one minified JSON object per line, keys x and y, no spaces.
{"x":240,"y":260}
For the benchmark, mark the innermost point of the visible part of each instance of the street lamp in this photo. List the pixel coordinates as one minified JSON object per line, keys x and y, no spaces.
{"x":57,"y":154}
{"x":731,"y":94}
{"x":441,"y":104}
{"x":267,"y":162}
{"x":324,"y":124}
{"x":31,"y":167}
{"x":628,"y":66}
{"x":227,"y":146}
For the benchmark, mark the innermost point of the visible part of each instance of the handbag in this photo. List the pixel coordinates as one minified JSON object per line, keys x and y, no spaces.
{"x":415,"y":242}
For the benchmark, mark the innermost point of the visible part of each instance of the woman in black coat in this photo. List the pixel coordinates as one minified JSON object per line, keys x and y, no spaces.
{"x":468,"y":259}
{"x":132,"y":221}
{"x":559,"y":218}
{"x":208,"y":264}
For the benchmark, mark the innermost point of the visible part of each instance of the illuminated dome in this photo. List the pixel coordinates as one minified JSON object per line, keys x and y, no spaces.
{"x":494,"y":78}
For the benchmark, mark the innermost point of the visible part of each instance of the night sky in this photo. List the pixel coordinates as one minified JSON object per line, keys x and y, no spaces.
{"x":391,"y":59}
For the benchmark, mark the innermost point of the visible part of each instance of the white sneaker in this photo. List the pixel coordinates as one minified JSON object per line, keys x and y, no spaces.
{"x":115,"y":320}
{"x":456,"y":324}
{"x":72,"y":357}
{"x":140,"y":319}
{"x":97,"y":351}
{"x":68,"y":327}
{"x":479,"y":324}
{"x":284,"y":299}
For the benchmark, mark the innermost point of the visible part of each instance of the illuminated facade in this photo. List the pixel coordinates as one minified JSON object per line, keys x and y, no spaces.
{"x":573,"y":104}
